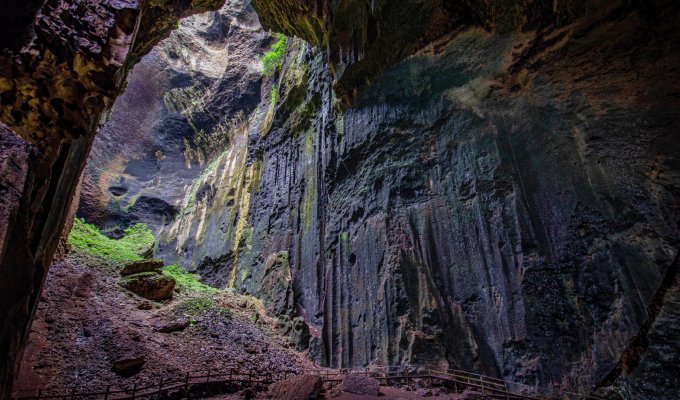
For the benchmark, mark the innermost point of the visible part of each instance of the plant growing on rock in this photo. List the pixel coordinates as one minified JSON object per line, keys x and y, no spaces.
{"x":273,"y":59}
{"x":89,"y":239}
{"x":197,"y":306}
{"x":187,"y":281}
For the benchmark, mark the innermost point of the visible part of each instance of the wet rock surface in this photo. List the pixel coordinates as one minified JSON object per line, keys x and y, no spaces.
{"x":497,"y":203}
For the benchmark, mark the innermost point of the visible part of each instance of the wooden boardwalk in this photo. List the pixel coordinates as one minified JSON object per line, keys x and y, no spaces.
{"x":214,"y":381}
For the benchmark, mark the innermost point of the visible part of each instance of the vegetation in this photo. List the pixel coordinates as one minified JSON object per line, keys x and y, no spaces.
{"x":197,"y":306}
{"x":88,"y":238}
{"x":187,"y":281}
{"x":273,"y":59}
{"x":272,"y":100}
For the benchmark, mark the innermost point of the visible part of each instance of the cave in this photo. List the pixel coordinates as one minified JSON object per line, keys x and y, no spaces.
{"x":327,"y":199}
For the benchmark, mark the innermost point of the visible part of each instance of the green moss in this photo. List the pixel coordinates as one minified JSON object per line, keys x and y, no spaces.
{"x":187,"y":281}
{"x":309,"y":143}
{"x":272,"y":100}
{"x":273,"y":59}
{"x":344,"y":238}
{"x":190,"y":198}
{"x":88,"y":238}
{"x":197,"y":306}
{"x":309,"y":202}
{"x":136,"y":276}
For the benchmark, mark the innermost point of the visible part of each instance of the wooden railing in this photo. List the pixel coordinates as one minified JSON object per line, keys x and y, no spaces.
{"x":236,"y":379}
{"x":458,"y":380}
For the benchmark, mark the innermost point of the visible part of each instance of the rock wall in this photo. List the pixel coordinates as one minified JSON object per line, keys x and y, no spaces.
{"x":176,"y":115}
{"x":502,"y":200}
{"x":58,"y":75}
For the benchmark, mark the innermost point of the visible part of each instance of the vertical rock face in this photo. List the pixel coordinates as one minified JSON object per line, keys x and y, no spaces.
{"x":58,"y":74}
{"x":504,"y":199}
{"x":14,"y":164}
{"x":176,"y":115}
{"x":500,"y":202}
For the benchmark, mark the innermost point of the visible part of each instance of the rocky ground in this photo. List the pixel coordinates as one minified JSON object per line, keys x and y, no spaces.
{"x":89,"y":332}
{"x":87,"y":326}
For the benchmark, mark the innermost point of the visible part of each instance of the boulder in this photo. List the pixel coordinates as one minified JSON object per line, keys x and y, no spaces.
{"x":150,"y":285}
{"x":136,"y":267}
{"x":174,"y":326}
{"x":249,"y":393}
{"x":128,"y":365}
{"x":360,"y":384}
{"x":300,"y":387}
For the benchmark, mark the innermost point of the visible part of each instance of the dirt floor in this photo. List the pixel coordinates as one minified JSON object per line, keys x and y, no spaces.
{"x":85,"y":322}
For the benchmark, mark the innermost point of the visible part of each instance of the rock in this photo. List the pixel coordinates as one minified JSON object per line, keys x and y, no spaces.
{"x":150,"y":285}
{"x":300,"y":387}
{"x":360,"y":384}
{"x":471,"y":395}
{"x":137,"y":267}
{"x":249,"y":393}
{"x":14,"y":153}
{"x":128,"y":365}
{"x":275,"y":288}
{"x":297,"y":331}
{"x":419,"y":383}
{"x":174,"y":326}
{"x":75,"y":60}
{"x":145,"y":305}
{"x":147,"y":253}
{"x":431,"y":392}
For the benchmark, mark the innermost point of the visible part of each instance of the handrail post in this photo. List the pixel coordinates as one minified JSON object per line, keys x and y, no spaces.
{"x":134,"y":390}
{"x":207,"y":378}
{"x":160,"y":388}
{"x":39,"y":393}
{"x":106,"y":395}
{"x":186,"y":382}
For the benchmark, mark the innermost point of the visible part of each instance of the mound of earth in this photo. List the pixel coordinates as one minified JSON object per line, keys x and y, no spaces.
{"x":90,"y":332}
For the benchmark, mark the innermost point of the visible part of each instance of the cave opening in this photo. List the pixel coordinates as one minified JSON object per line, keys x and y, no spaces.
{"x":336,"y":199}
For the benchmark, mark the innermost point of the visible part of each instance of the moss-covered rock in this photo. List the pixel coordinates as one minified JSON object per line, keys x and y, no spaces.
{"x":150,"y":285}
{"x":137,"y":267}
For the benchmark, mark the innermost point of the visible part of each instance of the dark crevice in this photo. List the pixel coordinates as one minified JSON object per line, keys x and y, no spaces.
{"x":630,"y":358}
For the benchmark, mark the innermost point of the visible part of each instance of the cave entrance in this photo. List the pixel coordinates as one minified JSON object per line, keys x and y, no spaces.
{"x":165,"y":193}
